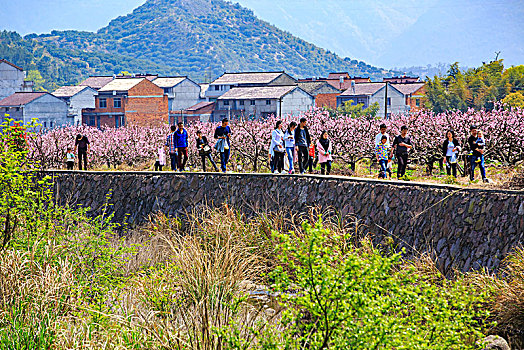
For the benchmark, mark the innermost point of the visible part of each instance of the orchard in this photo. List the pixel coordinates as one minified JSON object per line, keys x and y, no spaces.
{"x":352,"y":138}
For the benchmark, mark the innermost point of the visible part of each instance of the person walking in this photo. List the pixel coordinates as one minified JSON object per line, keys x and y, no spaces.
{"x":70,"y":159}
{"x":277,"y":149}
{"x":182,"y":142}
{"x":325,"y":150}
{"x":302,"y":142}
{"x":450,"y":150}
{"x":378,"y":137}
{"x":160,"y":159}
{"x":289,"y":141}
{"x":170,"y":146}
{"x":382,"y":151}
{"x":82,"y":145}
{"x":223,"y":144}
{"x":204,"y":150}
{"x":476,"y":153}
{"x":402,"y":145}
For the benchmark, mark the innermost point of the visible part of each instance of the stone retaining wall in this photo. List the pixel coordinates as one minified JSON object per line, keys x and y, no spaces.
{"x":465,"y":228}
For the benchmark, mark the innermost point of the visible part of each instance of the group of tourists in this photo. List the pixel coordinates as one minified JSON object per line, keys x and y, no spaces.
{"x":399,"y":150}
{"x":293,"y":144}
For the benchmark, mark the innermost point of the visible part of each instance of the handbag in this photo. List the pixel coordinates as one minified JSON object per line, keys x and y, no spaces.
{"x":279,"y":149}
{"x":205,"y":150}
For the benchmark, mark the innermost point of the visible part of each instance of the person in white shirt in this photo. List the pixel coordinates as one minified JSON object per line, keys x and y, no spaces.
{"x":277,"y":148}
{"x":382,"y":132}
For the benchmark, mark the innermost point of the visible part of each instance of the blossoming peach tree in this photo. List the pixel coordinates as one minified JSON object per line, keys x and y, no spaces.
{"x":352,"y":138}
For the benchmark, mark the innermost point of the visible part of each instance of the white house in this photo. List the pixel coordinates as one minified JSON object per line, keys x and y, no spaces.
{"x":369,"y":93}
{"x":25,"y":106}
{"x":181,"y":92}
{"x":76,"y":98}
{"x":228,"y":81}
{"x":12,"y":79}
{"x":263,"y":101}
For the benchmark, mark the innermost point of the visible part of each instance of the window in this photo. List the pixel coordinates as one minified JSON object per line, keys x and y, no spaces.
{"x":217,"y":87}
{"x":252,"y":102}
{"x":361,"y":100}
{"x":389,"y":101}
{"x":45,"y":124}
{"x":102,"y":103}
{"x":50,"y":124}
{"x":241,"y":102}
{"x":226,"y":103}
{"x":417,"y":102}
{"x":117,"y":102}
{"x":268,"y":102}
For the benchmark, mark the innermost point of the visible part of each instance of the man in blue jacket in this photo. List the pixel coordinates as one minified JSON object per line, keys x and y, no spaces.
{"x":181,"y":142}
{"x":222,"y":135}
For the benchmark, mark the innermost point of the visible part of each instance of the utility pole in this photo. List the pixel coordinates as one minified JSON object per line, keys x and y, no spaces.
{"x":280,"y":107}
{"x":386,"y":102}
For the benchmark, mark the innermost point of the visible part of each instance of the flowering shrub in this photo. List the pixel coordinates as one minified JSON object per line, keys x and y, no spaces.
{"x":352,"y":137}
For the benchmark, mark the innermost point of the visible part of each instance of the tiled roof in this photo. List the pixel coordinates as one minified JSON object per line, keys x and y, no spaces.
{"x":11,"y":64}
{"x":199,"y":105}
{"x":96,"y":82}
{"x":258,"y":92}
{"x":168,"y":82}
{"x":363,"y":89}
{"x":408,"y":88}
{"x":69,"y":91}
{"x":121,"y":84}
{"x":247,"y":78}
{"x":312,"y":86}
{"x":20,"y":98}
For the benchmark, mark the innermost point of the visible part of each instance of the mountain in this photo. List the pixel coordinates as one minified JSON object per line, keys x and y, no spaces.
{"x":199,"y":38}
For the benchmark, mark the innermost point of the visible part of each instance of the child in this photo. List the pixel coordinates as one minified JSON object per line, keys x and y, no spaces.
{"x":312,"y":159}
{"x":324,"y":153}
{"x":382,"y":151}
{"x":160,"y":160}
{"x":70,"y":158}
{"x":481,"y":143}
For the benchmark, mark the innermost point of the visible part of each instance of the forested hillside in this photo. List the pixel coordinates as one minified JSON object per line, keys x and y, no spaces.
{"x":199,"y":38}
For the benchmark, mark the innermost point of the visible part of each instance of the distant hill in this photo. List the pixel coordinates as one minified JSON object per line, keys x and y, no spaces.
{"x":199,"y":38}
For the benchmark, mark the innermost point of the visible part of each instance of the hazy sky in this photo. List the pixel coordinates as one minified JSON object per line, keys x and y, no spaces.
{"x":380,"y":32}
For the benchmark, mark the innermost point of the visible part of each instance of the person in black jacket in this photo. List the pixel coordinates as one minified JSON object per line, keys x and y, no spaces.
{"x":450,"y":150}
{"x":401,"y":146}
{"x":203,"y":151}
{"x":302,"y":142}
{"x":476,"y":154}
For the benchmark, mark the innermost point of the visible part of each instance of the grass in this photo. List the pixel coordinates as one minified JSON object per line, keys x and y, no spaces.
{"x":184,"y":283}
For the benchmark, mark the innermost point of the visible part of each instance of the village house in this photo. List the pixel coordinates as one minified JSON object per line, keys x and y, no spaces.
{"x":201,"y":112}
{"x":128,"y":101}
{"x":25,"y":106}
{"x":340,"y":81}
{"x":228,"y":81}
{"x":76,"y":98}
{"x":369,"y":93}
{"x":263,"y":101}
{"x":12,"y":79}
{"x":181,"y":92}
{"x":414,"y":94}
{"x":324,"y":93}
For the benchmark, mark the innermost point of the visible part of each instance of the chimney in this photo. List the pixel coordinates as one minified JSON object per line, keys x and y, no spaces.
{"x":353,"y":86}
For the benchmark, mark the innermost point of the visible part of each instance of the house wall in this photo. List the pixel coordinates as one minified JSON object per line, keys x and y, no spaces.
{"x":411,"y":101}
{"x":48,"y":109}
{"x":84,"y":99}
{"x":398,"y":104}
{"x":107,"y":116}
{"x":326,"y":100}
{"x":11,"y":80}
{"x":297,"y":101}
{"x":185,"y":95}
{"x":146,"y":105}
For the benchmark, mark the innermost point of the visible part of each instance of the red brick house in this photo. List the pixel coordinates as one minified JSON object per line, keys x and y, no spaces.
{"x":414,"y":94}
{"x":128,"y":101}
